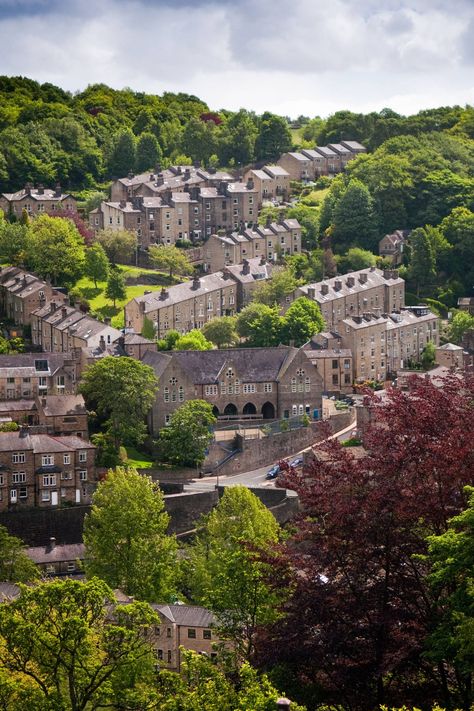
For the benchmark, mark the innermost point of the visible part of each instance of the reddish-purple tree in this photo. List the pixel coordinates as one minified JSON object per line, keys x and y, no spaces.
{"x":360,"y":609}
{"x":86,"y":233}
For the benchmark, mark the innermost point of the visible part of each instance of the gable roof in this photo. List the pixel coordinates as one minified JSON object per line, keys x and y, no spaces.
{"x":187,"y":615}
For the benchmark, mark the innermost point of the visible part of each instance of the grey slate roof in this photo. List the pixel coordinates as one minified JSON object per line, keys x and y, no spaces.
{"x":56,"y":554}
{"x":187,"y":615}
{"x":59,"y":405}
{"x":28,"y":361}
{"x":253,"y":365}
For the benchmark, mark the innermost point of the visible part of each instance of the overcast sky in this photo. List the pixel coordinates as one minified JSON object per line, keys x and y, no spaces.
{"x":288,"y":56}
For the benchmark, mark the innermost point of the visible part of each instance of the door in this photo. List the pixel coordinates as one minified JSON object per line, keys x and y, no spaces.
{"x":54,"y":498}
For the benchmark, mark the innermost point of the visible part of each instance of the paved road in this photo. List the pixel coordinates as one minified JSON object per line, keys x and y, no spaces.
{"x":255,"y":478}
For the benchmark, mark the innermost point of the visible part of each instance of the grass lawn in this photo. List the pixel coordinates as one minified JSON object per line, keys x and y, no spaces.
{"x":315,"y":197}
{"x":296,"y":135}
{"x":102,"y":307}
{"x":137,"y":459}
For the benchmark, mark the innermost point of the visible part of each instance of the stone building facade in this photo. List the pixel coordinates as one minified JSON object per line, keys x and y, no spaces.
{"x":22,"y":293}
{"x":28,"y":375}
{"x":37,"y":201}
{"x":42,"y":470}
{"x":240,"y":383}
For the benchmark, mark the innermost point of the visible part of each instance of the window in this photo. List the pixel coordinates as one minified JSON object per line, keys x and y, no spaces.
{"x":347,"y":379}
{"x":66,"y":475}
{"x":334,"y":364}
{"x":181,"y":393}
{"x":191,"y":634}
{"x":11,"y":381}
{"x":159,"y":654}
{"x":45,"y":495}
{"x":249,"y":388}
{"x":71,"y":567}
{"x":18,"y":477}
{"x":67,"y":459}
{"x":168,"y":631}
{"x":347,"y":363}
{"x":206,"y":634}
{"x":63,"y":492}
{"x":167,"y":419}
{"x":50,"y":569}
{"x":83,"y":456}
{"x":47,"y":460}
{"x":166,"y":394}
{"x":49,"y":480}
{"x":210,"y":389}
{"x":169,"y":656}
{"x":293,"y":385}
{"x":42,"y":383}
{"x":267,"y":387}
{"x":18,"y":457}
{"x":2,"y":480}
{"x":83,"y":475}
{"x":60,"y":382}
{"x":23,"y":492}
{"x":335,"y":379}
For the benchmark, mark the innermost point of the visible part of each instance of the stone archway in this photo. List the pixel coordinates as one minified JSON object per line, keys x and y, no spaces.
{"x":215,"y":411}
{"x":249,"y":409}
{"x":268,"y":411}
{"x":230,"y":409}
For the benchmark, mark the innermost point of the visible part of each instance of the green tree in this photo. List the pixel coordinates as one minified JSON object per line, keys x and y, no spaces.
{"x":171,"y":258}
{"x":185,"y":439}
{"x":227,"y":573}
{"x":354,"y":219}
{"x":423,"y":258}
{"x":119,"y":245}
{"x":302,"y":320}
{"x":451,"y":555}
{"x":282,"y":283}
{"x":62,"y":649}
{"x":169,"y":341}
{"x":460,"y":324}
{"x":260,"y":325}
{"x":199,"y":139}
{"x":274,"y":137}
{"x":15,"y":566}
{"x":308,"y":217}
{"x":56,"y":250}
{"x":123,"y":154}
{"x":428,"y":355}
{"x":221,"y":331}
{"x":14,"y":240}
{"x":204,"y":684}
{"x":121,"y":390}
{"x":96,"y":265}
{"x":194,"y":340}
{"x":148,"y":330}
{"x":149,"y":153}
{"x":125,"y":537}
{"x":115,"y":288}
{"x":355,"y":259}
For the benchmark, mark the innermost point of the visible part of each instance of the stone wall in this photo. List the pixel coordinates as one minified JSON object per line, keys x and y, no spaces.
{"x":258,"y":453}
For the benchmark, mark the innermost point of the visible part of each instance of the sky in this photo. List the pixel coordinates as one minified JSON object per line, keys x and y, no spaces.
{"x":292,"y":57}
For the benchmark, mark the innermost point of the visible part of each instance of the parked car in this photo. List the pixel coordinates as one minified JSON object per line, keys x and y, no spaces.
{"x":297,"y":461}
{"x":273,"y":472}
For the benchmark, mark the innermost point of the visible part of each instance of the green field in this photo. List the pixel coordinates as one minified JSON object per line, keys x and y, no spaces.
{"x":138,"y":459}
{"x":103,"y":307}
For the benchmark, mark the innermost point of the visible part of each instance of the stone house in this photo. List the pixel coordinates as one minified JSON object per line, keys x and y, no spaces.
{"x":451,"y":356}
{"x":368,"y":290}
{"x":282,"y":180}
{"x":272,"y":183}
{"x":344,"y":153}
{"x":44,"y":471}
{"x":248,"y":276}
{"x":365,"y":337}
{"x":319,"y":164}
{"x":63,"y":415}
{"x":240,"y":383}
{"x":408,"y":332}
{"x":392,"y":246}
{"x":332,"y":161}
{"x":58,"y":560}
{"x":466,"y":303}
{"x":28,"y":375}
{"x":297,"y":165}
{"x":61,"y":328}
{"x":37,"y":201}
{"x":333,"y":362}
{"x":22,"y":293}
{"x":265,"y":241}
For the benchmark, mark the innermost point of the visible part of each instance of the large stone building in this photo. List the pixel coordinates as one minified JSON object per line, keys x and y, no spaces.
{"x":22,"y":293}
{"x":190,"y":305}
{"x":368,"y":290}
{"x":268,"y":241}
{"x":240,"y":383}
{"x":37,"y":201}
{"x":272,"y":183}
{"x":60,"y":329}
{"x":28,"y":375}
{"x":310,"y":164}
{"x":43,"y":471}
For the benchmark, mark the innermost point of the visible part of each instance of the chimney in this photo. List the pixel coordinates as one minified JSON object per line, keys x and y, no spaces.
{"x":311,"y":292}
{"x":58,"y":191}
{"x":163,"y":294}
{"x":263,"y":260}
{"x":223,"y":185}
{"x":350,"y":281}
{"x":51,"y":544}
{"x":187,"y":174}
{"x":142,"y":306}
{"x":63,"y":312}
{"x":250,"y":184}
{"x":152,"y":177}
{"x":41,"y":189}
{"x":196,"y":283}
{"x":102,"y":344}
{"x":52,"y":307}
{"x":160,"y":179}
{"x":24,"y":280}
{"x":158,"y":168}
{"x":24,"y":430}
{"x":246,"y":267}
{"x":130,"y":174}
{"x":283,"y":704}
{"x":324,"y":289}
{"x":337,"y":285}
{"x":28,"y":188}
{"x":43,"y":402}
{"x":363,"y":278}
{"x":122,"y":204}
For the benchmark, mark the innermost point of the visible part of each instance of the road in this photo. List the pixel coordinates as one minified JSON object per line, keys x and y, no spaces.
{"x":255,"y":478}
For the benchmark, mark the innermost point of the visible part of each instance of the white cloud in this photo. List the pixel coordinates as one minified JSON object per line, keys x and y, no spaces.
{"x":307,"y":56}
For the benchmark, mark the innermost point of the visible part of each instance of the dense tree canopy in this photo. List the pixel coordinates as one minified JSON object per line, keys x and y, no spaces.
{"x":185,"y":439}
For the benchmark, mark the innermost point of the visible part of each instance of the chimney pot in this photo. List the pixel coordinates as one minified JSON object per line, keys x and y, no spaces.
{"x":324,"y":289}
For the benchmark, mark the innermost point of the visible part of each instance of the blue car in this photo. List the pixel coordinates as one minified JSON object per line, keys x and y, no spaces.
{"x":297,"y":461}
{"x":273,"y":472}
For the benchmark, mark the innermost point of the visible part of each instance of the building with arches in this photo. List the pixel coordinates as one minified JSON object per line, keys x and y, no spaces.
{"x":241,"y":384}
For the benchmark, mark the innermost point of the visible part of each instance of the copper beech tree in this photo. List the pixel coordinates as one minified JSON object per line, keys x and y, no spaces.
{"x":361,"y":609}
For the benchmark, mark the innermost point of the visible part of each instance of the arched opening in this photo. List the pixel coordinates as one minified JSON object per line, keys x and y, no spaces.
{"x":249,"y":409}
{"x":268,"y":411}
{"x":230,"y":409}
{"x":215,"y":411}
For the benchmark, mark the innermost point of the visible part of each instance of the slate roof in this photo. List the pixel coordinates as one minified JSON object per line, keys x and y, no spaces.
{"x":59,"y":405}
{"x":276,"y":171}
{"x":28,"y":361}
{"x":375,"y":277}
{"x":187,"y":615}
{"x":47,"y":194}
{"x":182,"y":292}
{"x":38,"y":443}
{"x":253,"y":365}
{"x":326,"y":151}
{"x":312,"y":154}
{"x":56,"y":554}
{"x":298,"y":156}
{"x":339,"y":148}
{"x":353,"y":145}
{"x":258,"y":271}
{"x":329,"y":353}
